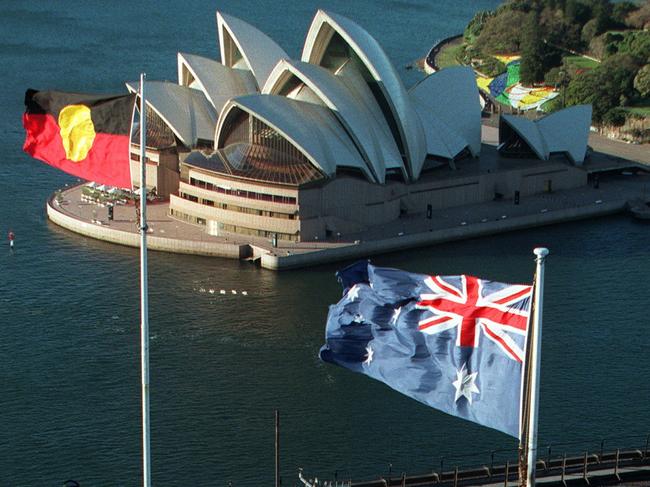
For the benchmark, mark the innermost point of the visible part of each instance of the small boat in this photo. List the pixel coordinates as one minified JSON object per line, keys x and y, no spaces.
{"x":640,"y":209}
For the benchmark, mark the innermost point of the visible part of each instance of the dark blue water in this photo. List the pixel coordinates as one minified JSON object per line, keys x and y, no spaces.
{"x":69,"y":323}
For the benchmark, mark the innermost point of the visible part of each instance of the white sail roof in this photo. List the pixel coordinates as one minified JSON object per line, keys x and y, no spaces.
{"x":564,"y":131}
{"x":382,"y":71}
{"x":218,"y":82}
{"x":343,"y":105}
{"x":185,"y":110}
{"x":441,"y":141}
{"x":567,"y":131}
{"x":451,"y":95}
{"x":259,"y":52}
{"x":312,"y":128}
{"x":377,"y":146}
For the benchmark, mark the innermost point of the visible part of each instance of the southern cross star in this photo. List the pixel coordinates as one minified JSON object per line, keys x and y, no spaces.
{"x":353,"y":293}
{"x":370,"y":352}
{"x":465,"y":384}
{"x":396,"y":314}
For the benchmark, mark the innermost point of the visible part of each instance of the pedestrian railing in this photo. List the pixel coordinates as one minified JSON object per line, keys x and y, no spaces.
{"x":615,"y":457}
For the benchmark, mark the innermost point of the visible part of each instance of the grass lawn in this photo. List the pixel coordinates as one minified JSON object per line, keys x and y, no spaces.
{"x":639,"y":110}
{"x":447,"y":55}
{"x":579,"y":62}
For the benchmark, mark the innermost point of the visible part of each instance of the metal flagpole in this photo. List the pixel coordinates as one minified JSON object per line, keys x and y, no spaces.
{"x":535,"y":356}
{"x":144,"y":294}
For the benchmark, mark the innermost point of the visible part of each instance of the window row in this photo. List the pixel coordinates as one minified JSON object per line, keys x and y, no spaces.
{"x":259,"y":233}
{"x":236,"y":228}
{"x":237,"y":208}
{"x":274,"y":198}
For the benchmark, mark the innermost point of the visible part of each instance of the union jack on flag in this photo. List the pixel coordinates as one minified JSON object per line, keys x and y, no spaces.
{"x":455,"y":343}
{"x":473,"y":306}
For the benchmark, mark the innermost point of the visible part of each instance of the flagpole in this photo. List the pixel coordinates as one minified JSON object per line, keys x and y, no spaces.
{"x":535,"y":356}
{"x":144,"y":294}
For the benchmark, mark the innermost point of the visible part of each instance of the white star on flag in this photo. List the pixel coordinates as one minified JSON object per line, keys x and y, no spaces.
{"x":465,"y":384}
{"x":370,"y":353}
{"x":353,"y":293}
{"x":396,"y":314}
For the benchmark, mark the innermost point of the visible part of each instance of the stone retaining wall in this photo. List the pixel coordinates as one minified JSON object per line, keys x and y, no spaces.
{"x":164,"y":244}
{"x":364,"y":249}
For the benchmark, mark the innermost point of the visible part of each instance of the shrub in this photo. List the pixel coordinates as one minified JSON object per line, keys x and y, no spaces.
{"x":492,"y":67}
{"x":553,"y":105}
{"x":554,"y":75}
{"x":642,"y":81}
{"x":615,"y":117}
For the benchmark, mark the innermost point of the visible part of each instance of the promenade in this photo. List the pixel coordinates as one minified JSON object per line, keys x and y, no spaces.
{"x":412,"y":230}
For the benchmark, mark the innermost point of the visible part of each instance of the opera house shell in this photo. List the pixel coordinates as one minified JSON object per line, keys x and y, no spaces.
{"x":262,"y":145}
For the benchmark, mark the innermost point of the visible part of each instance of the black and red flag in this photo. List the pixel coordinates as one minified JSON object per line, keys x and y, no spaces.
{"x":84,"y":135}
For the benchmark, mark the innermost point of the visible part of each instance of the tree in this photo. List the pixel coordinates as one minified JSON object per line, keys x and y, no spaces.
{"x":475,"y":25}
{"x":642,"y":81}
{"x":589,"y":31}
{"x":636,"y":44}
{"x":601,"y":16}
{"x":640,"y":18}
{"x":615,"y":116}
{"x":576,"y":12}
{"x":604,"y":87}
{"x":533,"y":51}
{"x":492,"y":67}
{"x":571,"y":11}
{"x":620,"y":11}
{"x":501,"y":33}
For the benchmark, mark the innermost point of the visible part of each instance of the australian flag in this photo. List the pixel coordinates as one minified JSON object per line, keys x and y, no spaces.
{"x":455,"y":343}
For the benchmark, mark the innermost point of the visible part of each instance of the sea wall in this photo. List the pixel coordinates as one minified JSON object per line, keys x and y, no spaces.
{"x":164,"y":244}
{"x":364,"y":249}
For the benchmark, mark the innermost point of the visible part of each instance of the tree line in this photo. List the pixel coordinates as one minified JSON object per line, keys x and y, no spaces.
{"x":546,"y":32}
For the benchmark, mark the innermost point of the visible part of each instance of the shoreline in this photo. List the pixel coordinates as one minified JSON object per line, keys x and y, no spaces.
{"x":429,"y":62}
{"x":449,"y":224}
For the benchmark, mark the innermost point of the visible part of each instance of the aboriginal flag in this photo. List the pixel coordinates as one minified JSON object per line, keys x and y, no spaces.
{"x":84,"y":135}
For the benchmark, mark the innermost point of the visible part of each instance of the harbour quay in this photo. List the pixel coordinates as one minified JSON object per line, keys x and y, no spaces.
{"x":292,"y":163}
{"x":603,"y":186}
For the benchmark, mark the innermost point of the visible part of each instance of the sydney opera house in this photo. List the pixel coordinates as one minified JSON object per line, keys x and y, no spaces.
{"x":259,"y":144}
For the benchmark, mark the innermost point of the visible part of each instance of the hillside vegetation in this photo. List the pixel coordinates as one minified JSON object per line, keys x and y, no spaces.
{"x":592,"y":51}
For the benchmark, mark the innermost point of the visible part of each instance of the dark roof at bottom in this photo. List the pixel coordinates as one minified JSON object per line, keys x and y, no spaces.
{"x":254,"y":162}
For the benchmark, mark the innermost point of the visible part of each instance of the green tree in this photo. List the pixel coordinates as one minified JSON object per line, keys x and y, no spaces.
{"x":642,"y":81}
{"x":636,"y":44}
{"x":492,"y":67}
{"x":639,"y":18}
{"x":601,"y":16}
{"x":571,"y":11}
{"x":604,"y":87}
{"x":615,"y":116}
{"x":475,"y":25}
{"x":589,"y":31}
{"x":620,"y":11}
{"x":576,"y":12}
{"x":533,"y":51}
{"x":501,"y":34}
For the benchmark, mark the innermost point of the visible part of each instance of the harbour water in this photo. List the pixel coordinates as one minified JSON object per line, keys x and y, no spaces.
{"x":221,"y":363}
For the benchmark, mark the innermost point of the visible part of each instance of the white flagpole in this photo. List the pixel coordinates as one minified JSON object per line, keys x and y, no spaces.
{"x":535,"y":356}
{"x":144,"y":294}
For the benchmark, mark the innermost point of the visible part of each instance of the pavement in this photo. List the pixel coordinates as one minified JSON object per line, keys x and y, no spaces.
{"x":608,"y":155}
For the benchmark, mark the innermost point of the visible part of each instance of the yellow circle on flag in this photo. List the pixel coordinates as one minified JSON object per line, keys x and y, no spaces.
{"x":77,"y":131}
